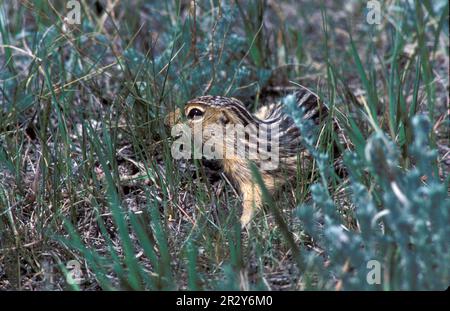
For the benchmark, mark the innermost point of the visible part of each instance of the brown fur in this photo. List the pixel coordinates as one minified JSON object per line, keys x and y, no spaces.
{"x":223,"y":110}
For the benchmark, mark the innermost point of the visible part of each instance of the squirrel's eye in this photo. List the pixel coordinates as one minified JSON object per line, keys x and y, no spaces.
{"x":194,"y":113}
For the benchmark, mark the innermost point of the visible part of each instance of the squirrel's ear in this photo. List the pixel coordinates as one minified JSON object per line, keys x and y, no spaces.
{"x":224,"y":119}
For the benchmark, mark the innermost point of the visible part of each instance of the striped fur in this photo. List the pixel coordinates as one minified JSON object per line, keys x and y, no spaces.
{"x":272,"y":115}
{"x":218,"y":109}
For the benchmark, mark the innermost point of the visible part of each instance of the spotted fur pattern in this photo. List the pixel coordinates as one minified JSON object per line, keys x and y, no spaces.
{"x":225,"y":110}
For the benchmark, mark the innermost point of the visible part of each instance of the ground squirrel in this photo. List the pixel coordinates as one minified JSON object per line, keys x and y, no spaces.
{"x":222,"y":112}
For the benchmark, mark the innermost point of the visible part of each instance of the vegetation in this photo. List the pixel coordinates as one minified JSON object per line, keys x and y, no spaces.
{"x":86,"y":172}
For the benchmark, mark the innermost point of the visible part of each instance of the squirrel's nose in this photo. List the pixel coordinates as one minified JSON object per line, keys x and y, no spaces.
{"x":172,"y":118}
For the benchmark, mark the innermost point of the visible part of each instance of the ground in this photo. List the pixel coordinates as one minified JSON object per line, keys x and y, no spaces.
{"x":85,"y":167}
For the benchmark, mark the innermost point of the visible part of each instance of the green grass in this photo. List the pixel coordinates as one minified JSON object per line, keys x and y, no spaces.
{"x":86,"y":172}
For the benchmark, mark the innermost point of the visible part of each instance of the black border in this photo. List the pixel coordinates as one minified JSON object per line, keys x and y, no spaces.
{"x":167,"y":300}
